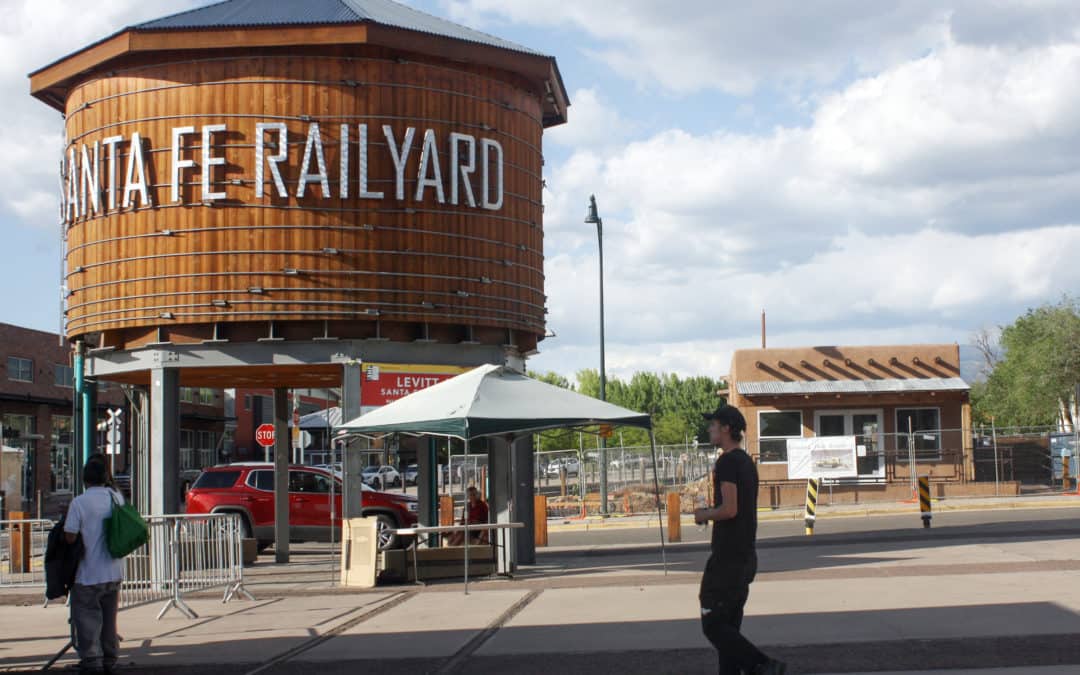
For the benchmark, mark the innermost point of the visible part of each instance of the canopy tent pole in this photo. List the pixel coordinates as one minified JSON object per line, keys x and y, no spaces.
{"x":466,"y":507}
{"x":659,"y":512}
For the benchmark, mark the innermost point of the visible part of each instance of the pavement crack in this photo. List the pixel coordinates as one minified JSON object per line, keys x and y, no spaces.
{"x":456,"y":662}
{"x":392,"y":602}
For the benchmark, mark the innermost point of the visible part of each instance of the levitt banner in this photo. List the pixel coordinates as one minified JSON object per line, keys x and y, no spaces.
{"x":822,"y":457}
{"x":382,"y":383}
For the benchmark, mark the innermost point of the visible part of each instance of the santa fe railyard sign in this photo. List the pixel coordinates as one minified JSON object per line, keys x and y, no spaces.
{"x":97,"y":180}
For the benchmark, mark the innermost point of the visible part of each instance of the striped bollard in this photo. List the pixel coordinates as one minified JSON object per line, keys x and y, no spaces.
{"x":924,"y":500}
{"x":812,"y":485}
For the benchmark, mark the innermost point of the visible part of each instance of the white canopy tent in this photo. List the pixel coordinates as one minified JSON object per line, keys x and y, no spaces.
{"x":491,"y":401}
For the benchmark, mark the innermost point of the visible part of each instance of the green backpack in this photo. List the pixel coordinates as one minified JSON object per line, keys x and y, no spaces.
{"x":125,"y":530}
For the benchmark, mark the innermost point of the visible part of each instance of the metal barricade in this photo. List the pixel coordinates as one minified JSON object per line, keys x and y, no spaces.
{"x":186,"y":553}
{"x":22,"y":552}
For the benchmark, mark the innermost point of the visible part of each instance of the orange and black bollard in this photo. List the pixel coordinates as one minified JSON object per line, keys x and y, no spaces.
{"x":812,"y":485}
{"x":924,"y":500}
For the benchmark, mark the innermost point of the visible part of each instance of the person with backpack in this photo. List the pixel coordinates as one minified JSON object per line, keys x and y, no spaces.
{"x":95,"y":597}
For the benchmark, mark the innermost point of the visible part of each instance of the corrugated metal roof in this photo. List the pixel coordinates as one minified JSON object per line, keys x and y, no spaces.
{"x":318,"y":419}
{"x":852,"y":386}
{"x":248,"y":13}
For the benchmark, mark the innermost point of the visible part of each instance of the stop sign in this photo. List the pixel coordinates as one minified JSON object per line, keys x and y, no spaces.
{"x":264,"y":434}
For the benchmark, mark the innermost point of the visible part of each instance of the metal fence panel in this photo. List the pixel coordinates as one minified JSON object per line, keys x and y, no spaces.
{"x":22,"y":552}
{"x":185,"y":554}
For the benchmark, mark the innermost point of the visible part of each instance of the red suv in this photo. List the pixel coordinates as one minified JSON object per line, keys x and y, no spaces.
{"x":248,"y":489}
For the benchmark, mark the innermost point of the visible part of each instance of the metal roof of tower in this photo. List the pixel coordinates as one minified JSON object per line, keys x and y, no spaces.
{"x":251,"y":13}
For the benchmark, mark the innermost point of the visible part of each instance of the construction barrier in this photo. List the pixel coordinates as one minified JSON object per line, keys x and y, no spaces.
{"x":446,"y":510}
{"x":186,"y":553}
{"x":812,"y":486}
{"x":924,"y":500}
{"x":674,"y":517}
{"x":22,"y":551}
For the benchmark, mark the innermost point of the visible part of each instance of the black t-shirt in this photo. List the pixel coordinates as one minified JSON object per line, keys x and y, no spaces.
{"x":733,"y":540}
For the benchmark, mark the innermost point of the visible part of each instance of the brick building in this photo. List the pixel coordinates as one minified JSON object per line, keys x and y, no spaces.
{"x":36,"y":395}
{"x":36,"y":392}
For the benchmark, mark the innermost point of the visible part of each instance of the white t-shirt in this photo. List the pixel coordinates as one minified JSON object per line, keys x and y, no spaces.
{"x":86,"y":516}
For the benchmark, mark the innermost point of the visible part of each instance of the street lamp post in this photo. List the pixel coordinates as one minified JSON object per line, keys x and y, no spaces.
{"x":594,"y":217}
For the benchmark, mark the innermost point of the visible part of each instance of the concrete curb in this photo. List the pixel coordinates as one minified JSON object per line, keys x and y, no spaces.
{"x":913,"y":535}
{"x":768,"y":515}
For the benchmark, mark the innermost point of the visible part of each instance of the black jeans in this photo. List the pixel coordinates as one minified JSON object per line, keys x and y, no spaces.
{"x":725,"y":587}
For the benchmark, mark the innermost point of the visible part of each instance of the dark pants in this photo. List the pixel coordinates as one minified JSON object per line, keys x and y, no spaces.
{"x":93,"y":613}
{"x":725,"y":587}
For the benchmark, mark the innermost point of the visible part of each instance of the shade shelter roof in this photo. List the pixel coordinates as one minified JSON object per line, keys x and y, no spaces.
{"x":491,"y":401}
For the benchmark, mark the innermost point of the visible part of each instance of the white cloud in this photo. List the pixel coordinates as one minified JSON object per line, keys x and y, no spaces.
{"x":594,"y":122}
{"x":34,"y":33}
{"x":712,"y":355}
{"x":736,"y":47}
{"x":731,"y":46}
{"x":941,"y":192}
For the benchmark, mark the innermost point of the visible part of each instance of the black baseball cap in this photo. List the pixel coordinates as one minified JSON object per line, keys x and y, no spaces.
{"x":728,"y":415}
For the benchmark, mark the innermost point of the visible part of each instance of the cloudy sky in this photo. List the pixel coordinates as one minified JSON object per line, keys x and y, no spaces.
{"x":866,"y":175}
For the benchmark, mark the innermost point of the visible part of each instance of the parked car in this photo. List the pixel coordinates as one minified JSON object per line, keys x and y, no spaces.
{"x":412,"y":472}
{"x":573,"y":466}
{"x":248,"y":489}
{"x":381,"y":477}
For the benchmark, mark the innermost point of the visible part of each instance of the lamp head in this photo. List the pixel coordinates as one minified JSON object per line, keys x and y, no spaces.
{"x":591,"y":216}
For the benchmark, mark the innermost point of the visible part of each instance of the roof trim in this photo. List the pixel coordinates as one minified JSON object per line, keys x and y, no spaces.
{"x":52,"y":83}
{"x":883,"y":386}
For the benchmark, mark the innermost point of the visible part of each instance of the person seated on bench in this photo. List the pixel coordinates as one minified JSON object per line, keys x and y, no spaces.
{"x":476,"y":511}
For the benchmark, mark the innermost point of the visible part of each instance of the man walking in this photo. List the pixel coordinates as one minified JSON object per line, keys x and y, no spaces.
{"x":96,"y":593}
{"x":725,"y":585}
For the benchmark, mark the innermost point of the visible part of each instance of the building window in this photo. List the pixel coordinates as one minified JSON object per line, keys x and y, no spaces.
{"x":206,"y":449}
{"x":18,"y":429}
{"x":925,"y":433}
{"x":206,"y":396}
{"x":774,"y":430}
{"x":19,"y":369}
{"x":187,"y":449}
{"x":185,"y":395}
{"x":65,"y":376}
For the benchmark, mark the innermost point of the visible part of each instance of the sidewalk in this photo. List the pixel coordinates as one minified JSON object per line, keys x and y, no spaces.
{"x":827,"y":610}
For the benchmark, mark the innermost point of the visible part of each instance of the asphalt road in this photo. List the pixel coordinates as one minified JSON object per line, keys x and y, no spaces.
{"x":964,"y":524}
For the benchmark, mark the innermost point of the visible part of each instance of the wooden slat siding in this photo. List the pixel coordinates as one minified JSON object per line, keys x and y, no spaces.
{"x":250,"y":230}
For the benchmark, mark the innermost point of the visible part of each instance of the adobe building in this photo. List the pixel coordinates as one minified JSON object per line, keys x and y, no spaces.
{"x":896,"y":401}
{"x":272,"y":193}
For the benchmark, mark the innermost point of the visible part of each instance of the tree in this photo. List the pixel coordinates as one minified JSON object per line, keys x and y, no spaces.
{"x":552,"y":378}
{"x":1035,"y":382}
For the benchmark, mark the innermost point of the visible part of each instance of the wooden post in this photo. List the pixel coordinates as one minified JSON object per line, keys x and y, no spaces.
{"x":20,"y":544}
{"x":674,"y":517}
{"x":1065,"y":473}
{"x":562,"y":481}
{"x":540,"y":520}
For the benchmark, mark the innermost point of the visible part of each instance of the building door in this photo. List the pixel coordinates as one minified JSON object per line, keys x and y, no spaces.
{"x":61,"y":455}
{"x":866,"y":427}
